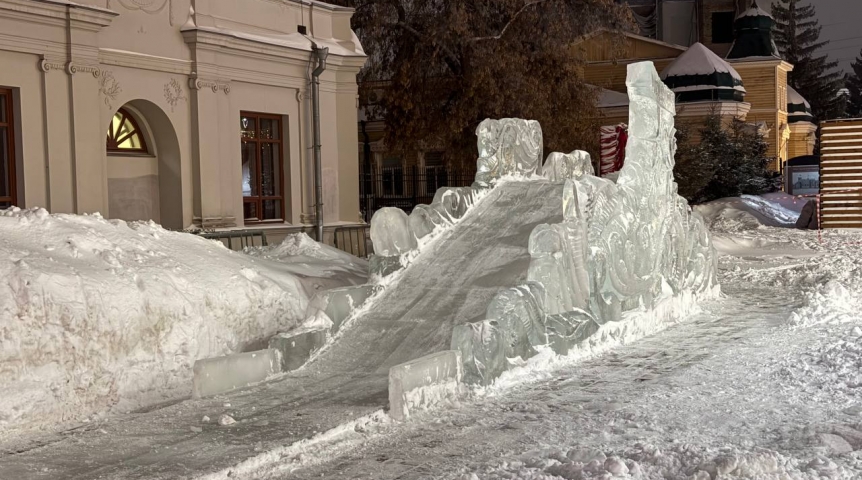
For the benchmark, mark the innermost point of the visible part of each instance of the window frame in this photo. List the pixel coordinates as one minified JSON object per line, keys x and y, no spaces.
{"x":111,"y":141}
{"x":12,"y":198}
{"x":727,"y":35}
{"x":258,"y":199}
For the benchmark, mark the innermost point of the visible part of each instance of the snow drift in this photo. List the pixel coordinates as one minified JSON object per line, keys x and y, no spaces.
{"x":750,"y":212}
{"x":98,"y":313}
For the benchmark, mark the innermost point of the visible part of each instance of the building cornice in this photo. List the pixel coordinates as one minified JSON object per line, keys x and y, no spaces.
{"x":742,"y":64}
{"x":217,"y":40}
{"x":57,"y":12}
{"x":124,"y":58}
{"x":803,"y":127}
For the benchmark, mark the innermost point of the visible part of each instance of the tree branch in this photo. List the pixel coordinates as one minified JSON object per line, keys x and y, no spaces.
{"x":451,"y":59}
{"x":510,"y":22}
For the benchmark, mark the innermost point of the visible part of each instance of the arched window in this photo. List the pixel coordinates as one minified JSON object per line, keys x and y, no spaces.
{"x":124,"y":135}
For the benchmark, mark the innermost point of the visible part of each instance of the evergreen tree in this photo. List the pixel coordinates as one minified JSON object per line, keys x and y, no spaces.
{"x":854,"y":84}
{"x":797,"y":34}
{"x":729,"y":161}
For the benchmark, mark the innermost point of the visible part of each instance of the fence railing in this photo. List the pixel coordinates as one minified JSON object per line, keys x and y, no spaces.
{"x":406,"y":187}
{"x":353,"y":240}
{"x":238,"y":239}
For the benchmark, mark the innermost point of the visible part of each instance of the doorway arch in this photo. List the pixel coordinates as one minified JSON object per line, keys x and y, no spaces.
{"x":144,"y":173}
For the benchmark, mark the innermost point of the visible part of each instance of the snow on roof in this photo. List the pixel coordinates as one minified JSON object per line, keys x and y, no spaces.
{"x":289,"y":40}
{"x":699,"y":60}
{"x":754,"y":11}
{"x":610,"y":98}
{"x":794,"y":98}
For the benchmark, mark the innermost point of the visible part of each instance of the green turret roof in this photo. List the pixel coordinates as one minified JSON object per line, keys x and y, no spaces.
{"x":753,"y":33}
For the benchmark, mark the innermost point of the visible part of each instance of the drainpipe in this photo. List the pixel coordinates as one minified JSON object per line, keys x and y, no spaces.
{"x":319,"y":55}
{"x":366,"y":170}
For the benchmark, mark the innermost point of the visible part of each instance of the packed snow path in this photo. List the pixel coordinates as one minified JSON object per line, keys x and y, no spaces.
{"x":450,"y":282}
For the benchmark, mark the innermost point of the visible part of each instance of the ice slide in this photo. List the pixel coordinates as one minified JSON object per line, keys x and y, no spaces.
{"x":450,"y":282}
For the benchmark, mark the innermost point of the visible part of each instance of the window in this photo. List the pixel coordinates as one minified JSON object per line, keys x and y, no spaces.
{"x":393,"y":176}
{"x":722,"y":27}
{"x":8,"y":196}
{"x":262,"y":167}
{"x":124,"y":135}
{"x":435,"y":172}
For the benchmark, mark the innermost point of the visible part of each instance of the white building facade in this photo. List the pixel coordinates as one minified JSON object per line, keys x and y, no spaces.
{"x":185,"y":112}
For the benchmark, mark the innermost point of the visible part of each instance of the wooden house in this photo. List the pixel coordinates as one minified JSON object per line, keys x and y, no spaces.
{"x":750,"y":53}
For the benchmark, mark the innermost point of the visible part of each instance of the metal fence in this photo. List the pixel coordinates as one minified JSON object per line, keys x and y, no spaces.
{"x":238,"y":239}
{"x":406,"y":187}
{"x":353,"y":240}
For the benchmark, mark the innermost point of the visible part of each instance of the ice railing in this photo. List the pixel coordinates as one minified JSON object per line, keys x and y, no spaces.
{"x":621,"y":246}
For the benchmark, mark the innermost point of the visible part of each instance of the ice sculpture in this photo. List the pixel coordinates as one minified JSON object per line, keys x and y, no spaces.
{"x":390,"y":232}
{"x":561,"y":166}
{"x":509,"y":146}
{"x":395,"y":234}
{"x":621,"y":246}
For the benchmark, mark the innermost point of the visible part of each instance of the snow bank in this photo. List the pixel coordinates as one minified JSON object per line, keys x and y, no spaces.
{"x":98,"y":313}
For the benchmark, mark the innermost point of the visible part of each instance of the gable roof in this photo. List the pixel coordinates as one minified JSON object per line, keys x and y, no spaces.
{"x":638,"y":47}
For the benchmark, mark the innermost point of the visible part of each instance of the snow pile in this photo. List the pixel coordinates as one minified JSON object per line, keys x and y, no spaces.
{"x":833,"y":303}
{"x":98,"y":313}
{"x":748,"y":212}
{"x":834,"y":368}
{"x":648,"y":462}
{"x":320,"y":266}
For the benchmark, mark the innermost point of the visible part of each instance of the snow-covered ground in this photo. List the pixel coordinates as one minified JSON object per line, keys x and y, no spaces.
{"x":762,"y":383}
{"x":99,"y":314}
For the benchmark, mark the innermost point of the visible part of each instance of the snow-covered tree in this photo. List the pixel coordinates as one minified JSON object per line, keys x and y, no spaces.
{"x":797,"y":34}
{"x":730,"y":160}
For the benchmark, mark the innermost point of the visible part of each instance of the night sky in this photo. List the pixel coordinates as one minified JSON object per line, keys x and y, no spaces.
{"x":842,"y":26}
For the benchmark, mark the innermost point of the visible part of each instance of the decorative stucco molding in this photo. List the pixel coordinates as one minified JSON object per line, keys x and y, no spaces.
{"x":300,"y":95}
{"x":109,"y":87}
{"x":152,"y":7}
{"x":174,"y":93}
{"x":73,"y":68}
{"x":215,"y":86}
{"x":47,"y":65}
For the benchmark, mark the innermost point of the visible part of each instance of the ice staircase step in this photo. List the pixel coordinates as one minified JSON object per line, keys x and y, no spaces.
{"x":224,"y":374}
{"x":423,"y":383}
{"x":297,"y":348}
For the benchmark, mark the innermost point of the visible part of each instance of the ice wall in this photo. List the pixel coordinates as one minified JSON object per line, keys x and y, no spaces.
{"x":622,"y":246}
